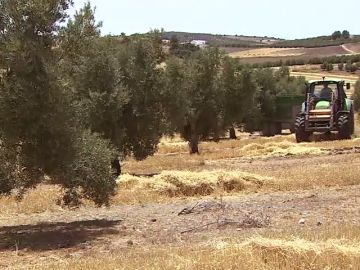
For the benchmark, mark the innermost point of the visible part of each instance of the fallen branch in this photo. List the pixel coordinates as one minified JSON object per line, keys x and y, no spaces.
{"x":199,"y":227}
{"x":247,"y":223}
{"x":187,"y":211}
{"x":143,"y":174}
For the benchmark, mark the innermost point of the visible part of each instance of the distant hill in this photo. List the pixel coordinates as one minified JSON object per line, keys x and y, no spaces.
{"x":314,"y":42}
{"x":223,"y":40}
{"x":238,"y":41}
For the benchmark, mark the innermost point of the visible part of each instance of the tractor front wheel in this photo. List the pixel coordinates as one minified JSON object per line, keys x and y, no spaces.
{"x":344,"y":126}
{"x":300,"y":133}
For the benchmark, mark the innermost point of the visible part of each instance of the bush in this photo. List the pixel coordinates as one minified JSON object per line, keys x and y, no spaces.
{"x":90,"y":175}
{"x":7,"y":167}
{"x":357,"y":96}
{"x":348,"y":66}
{"x":327,"y":66}
{"x":313,"y":61}
{"x":353,"y":68}
{"x":341,"y":66}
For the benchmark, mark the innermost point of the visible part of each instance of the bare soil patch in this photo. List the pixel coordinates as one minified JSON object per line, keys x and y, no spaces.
{"x":89,"y":231}
{"x":355,"y":47}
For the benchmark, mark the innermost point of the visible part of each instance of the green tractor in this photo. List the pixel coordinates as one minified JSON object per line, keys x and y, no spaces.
{"x":326,"y":109}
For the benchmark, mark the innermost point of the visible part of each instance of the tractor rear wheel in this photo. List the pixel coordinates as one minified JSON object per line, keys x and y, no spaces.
{"x":300,"y":133}
{"x":344,"y":125}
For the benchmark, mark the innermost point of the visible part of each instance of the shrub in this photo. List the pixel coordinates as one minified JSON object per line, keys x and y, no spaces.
{"x":348,"y":66}
{"x":90,"y":175}
{"x":357,"y":96}
{"x":327,"y":66}
{"x":353,"y":68}
{"x":7,"y":167}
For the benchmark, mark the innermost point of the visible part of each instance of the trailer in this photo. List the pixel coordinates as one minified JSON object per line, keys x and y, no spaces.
{"x":287,"y":107}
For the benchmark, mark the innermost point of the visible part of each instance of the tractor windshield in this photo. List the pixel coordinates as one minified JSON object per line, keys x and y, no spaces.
{"x":324,"y":90}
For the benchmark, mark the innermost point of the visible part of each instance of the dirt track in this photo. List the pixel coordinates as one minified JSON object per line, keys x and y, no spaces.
{"x":25,"y":238}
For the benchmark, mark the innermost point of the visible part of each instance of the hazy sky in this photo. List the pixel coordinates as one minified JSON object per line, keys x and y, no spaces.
{"x":279,"y":18}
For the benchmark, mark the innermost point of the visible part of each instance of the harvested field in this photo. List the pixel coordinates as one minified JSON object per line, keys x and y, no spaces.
{"x":189,"y":184}
{"x":355,"y":47}
{"x":253,"y":253}
{"x":267,"y":52}
{"x":325,"y":51}
{"x":223,"y":233}
{"x":262,"y":55}
{"x":283,"y":52}
{"x":310,"y":70}
{"x":175,"y":156}
{"x":234,"y":49}
{"x":252,"y":203}
{"x":318,"y":74}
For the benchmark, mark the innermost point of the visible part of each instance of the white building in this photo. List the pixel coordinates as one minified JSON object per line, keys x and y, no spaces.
{"x":199,"y":43}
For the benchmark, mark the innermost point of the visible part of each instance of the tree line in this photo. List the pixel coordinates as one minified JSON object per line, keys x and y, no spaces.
{"x":335,"y":39}
{"x":350,"y":60}
{"x":72,"y":102}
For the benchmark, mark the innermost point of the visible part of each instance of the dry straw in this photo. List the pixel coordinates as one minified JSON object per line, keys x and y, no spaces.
{"x":185,"y":183}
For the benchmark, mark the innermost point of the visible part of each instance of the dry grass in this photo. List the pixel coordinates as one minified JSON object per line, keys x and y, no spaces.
{"x":158,"y":163}
{"x":38,"y":200}
{"x":186,"y":184}
{"x":318,"y":74}
{"x":278,"y":149}
{"x":211,"y":173}
{"x":311,"y":70}
{"x":268,"y":52}
{"x":175,"y":156}
{"x":267,"y":178}
{"x":297,"y":175}
{"x":316,"y":176}
{"x":332,"y":248}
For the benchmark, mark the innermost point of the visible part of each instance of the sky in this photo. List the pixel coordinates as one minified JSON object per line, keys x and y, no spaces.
{"x":287,"y":19}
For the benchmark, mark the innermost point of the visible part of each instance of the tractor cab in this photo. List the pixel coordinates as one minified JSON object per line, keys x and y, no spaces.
{"x":326,"y":109}
{"x":323,"y":93}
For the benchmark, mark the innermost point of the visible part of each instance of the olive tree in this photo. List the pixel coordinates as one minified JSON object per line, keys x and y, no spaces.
{"x":239,"y":95}
{"x":40,"y":132}
{"x":116,"y":83}
{"x":194,"y":96}
{"x":357,"y":96}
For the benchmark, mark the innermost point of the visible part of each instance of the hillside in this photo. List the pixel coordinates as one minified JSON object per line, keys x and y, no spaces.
{"x":321,"y":41}
{"x":297,"y":56}
{"x":257,"y":41}
{"x":301,"y":53}
{"x":223,"y":40}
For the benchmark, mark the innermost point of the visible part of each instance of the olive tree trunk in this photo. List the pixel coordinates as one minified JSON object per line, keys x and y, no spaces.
{"x":194,"y":145}
{"x":233,"y":134}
